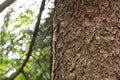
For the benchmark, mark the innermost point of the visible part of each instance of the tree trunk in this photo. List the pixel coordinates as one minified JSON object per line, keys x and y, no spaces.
{"x":86,"y":40}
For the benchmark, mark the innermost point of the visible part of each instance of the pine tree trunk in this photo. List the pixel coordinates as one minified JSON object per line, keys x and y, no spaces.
{"x":86,"y":40}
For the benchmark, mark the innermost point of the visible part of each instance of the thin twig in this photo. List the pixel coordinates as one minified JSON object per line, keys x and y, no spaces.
{"x":31,"y":43}
{"x":41,"y":67}
{"x":25,"y":75}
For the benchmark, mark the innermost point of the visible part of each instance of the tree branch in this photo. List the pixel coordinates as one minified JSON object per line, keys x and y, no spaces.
{"x":31,"y":43}
{"x":6,"y":4}
{"x":26,"y":76}
{"x":41,"y":67}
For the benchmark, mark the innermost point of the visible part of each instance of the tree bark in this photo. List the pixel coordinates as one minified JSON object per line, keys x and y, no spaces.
{"x":86,"y":40}
{"x":6,"y":4}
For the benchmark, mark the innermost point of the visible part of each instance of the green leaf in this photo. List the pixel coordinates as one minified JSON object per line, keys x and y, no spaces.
{"x":20,"y":77}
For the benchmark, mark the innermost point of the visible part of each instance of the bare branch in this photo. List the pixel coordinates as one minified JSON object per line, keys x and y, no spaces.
{"x":6,"y":4}
{"x":31,"y":44}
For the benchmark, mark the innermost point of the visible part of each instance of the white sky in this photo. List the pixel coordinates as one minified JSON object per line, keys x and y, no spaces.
{"x":27,"y":4}
{"x":16,"y":6}
{"x":20,"y":6}
{"x":1,"y":1}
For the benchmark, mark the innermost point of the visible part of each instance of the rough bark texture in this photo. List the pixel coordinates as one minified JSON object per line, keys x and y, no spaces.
{"x":86,"y":40}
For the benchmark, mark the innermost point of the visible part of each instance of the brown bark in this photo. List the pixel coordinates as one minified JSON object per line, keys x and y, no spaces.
{"x":86,"y":40}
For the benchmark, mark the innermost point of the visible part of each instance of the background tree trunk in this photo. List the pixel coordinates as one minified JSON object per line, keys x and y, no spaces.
{"x":86,"y":40}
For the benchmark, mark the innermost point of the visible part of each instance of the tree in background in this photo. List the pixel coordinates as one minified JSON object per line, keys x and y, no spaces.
{"x":25,"y":53}
{"x":86,"y":40}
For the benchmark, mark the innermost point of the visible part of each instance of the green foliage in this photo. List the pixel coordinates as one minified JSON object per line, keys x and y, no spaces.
{"x":14,"y":43}
{"x":20,"y":77}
